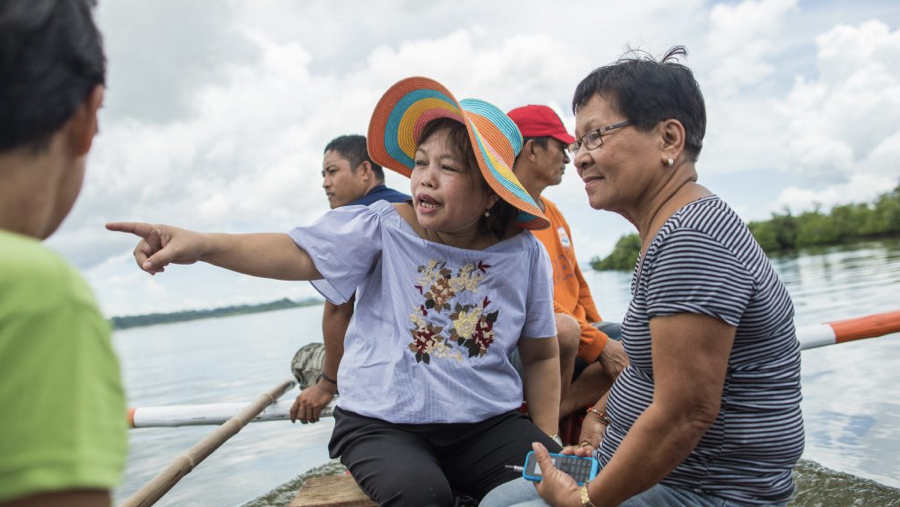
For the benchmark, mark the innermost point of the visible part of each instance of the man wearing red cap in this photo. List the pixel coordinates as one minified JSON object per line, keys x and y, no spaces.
{"x":582,"y":339}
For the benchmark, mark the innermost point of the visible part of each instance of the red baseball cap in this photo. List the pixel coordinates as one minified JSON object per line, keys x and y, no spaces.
{"x":540,"y":121}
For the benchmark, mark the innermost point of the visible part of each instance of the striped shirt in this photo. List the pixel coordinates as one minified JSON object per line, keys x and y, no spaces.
{"x":705,"y":261}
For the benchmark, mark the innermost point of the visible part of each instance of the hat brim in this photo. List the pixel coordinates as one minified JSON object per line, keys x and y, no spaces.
{"x":566,"y":138}
{"x":409,"y":105}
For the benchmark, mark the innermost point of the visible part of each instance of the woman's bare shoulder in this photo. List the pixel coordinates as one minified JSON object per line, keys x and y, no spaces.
{"x":407,"y":212}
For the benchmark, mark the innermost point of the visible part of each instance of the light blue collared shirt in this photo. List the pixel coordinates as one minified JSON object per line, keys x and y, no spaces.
{"x":433,"y":324}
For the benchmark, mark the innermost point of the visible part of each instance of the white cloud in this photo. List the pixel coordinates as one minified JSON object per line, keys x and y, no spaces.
{"x":844,"y":126}
{"x":745,"y":38}
{"x":859,"y":188}
{"x":216,"y":113}
{"x":740,"y":78}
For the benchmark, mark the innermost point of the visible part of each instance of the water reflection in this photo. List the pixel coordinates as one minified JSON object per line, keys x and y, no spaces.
{"x":216,"y":361}
{"x":851,"y":406}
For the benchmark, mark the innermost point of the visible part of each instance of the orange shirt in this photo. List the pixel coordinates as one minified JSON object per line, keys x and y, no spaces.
{"x":571,"y":294}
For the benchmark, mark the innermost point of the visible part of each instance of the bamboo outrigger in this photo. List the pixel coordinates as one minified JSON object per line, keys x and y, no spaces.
{"x":165,"y":480}
{"x":810,"y":336}
{"x":235,"y":415}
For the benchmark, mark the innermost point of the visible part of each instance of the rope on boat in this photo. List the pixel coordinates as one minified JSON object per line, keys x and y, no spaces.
{"x":151,"y":492}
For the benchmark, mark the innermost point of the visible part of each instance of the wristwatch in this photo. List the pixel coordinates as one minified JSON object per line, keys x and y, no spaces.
{"x":585,"y":499}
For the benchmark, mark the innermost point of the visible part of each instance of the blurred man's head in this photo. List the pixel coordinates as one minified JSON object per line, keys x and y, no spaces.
{"x":52,"y":71}
{"x":347,"y":171}
{"x":544,"y":156}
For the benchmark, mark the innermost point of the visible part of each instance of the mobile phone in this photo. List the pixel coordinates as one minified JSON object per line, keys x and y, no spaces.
{"x":579,"y":468}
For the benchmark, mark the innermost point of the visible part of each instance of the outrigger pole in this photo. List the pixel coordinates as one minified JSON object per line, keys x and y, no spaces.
{"x":810,"y":337}
{"x":214,"y":413}
{"x":848,"y":330}
{"x":162,"y":483}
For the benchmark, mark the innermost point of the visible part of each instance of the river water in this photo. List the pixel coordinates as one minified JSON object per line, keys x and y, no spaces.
{"x":851,"y":391}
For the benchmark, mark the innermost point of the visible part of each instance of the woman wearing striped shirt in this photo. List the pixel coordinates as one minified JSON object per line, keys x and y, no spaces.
{"x":708,"y":412}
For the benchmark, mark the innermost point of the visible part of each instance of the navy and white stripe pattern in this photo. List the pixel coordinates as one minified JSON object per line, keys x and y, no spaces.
{"x":705,"y":261}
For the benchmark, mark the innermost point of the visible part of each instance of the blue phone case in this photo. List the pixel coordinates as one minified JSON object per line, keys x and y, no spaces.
{"x":580,"y":469}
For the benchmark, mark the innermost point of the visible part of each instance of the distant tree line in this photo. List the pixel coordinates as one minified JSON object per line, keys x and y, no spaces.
{"x":785,"y":232}
{"x":165,"y":318}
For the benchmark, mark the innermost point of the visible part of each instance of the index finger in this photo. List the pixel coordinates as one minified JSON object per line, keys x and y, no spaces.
{"x":569,"y":449}
{"x":295,"y":408}
{"x":137,"y":228}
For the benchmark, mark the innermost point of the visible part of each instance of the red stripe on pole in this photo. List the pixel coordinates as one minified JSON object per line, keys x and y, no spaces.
{"x":866,"y":327}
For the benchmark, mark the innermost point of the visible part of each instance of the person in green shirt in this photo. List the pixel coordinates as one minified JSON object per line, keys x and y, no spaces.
{"x":62,"y":429}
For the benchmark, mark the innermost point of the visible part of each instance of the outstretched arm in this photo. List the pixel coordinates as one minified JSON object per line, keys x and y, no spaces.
{"x":266,"y":255}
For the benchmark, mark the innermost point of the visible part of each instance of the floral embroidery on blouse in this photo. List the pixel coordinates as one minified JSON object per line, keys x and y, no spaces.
{"x":472,"y":327}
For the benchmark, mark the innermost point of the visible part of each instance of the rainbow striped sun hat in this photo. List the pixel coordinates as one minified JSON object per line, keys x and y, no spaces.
{"x":405,"y":109}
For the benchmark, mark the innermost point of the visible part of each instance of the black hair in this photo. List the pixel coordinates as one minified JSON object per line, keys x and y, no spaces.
{"x":647,"y":91}
{"x":51,"y":58}
{"x":353,"y":148}
{"x":503,"y":214}
{"x":542,"y":141}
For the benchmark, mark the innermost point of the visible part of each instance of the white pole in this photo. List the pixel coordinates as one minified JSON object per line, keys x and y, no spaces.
{"x":815,"y":335}
{"x":810,"y":337}
{"x":216,"y":413}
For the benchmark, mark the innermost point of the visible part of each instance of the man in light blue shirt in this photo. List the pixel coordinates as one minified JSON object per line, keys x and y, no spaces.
{"x":350,"y":178}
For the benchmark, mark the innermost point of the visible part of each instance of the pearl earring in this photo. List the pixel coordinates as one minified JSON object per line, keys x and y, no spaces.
{"x":487,"y":213}
{"x":670,"y":162}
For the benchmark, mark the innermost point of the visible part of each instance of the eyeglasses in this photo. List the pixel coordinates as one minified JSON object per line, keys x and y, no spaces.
{"x":594,"y":139}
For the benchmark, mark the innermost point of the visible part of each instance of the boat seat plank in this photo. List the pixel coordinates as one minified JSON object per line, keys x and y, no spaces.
{"x":331,"y":491}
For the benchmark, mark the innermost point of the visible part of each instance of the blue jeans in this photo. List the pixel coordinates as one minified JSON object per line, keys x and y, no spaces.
{"x":610,"y":329}
{"x":521,"y":493}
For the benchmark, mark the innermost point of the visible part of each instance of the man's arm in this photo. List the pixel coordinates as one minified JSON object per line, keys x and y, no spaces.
{"x":311,"y":401}
{"x":584,"y":297}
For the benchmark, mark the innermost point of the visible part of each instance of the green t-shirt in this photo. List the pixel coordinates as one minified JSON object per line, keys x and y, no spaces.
{"x":62,"y":406}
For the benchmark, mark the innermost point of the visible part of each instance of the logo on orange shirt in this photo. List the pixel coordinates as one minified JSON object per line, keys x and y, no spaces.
{"x":563,"y":237}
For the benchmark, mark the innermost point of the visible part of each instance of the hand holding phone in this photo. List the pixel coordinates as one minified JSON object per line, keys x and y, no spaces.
{"x":579,"y":468}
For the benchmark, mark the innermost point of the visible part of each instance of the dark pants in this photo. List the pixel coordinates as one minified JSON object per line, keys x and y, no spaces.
{"x":424,"y":464}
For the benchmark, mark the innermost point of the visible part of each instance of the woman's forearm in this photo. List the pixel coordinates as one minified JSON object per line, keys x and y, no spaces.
{"x":656,"y":444}
{"x":266,"y":255}
{"x":542,"y":393}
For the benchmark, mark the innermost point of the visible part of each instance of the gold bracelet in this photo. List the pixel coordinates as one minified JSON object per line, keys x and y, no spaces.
{"x":585,"y":499}
{"x":605,"y":420}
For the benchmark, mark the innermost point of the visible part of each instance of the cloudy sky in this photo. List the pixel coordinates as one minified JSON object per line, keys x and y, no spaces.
{"x":217,"y":111}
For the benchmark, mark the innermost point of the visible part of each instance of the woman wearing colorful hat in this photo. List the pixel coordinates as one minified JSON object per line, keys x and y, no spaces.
{"x":447,"y":286}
